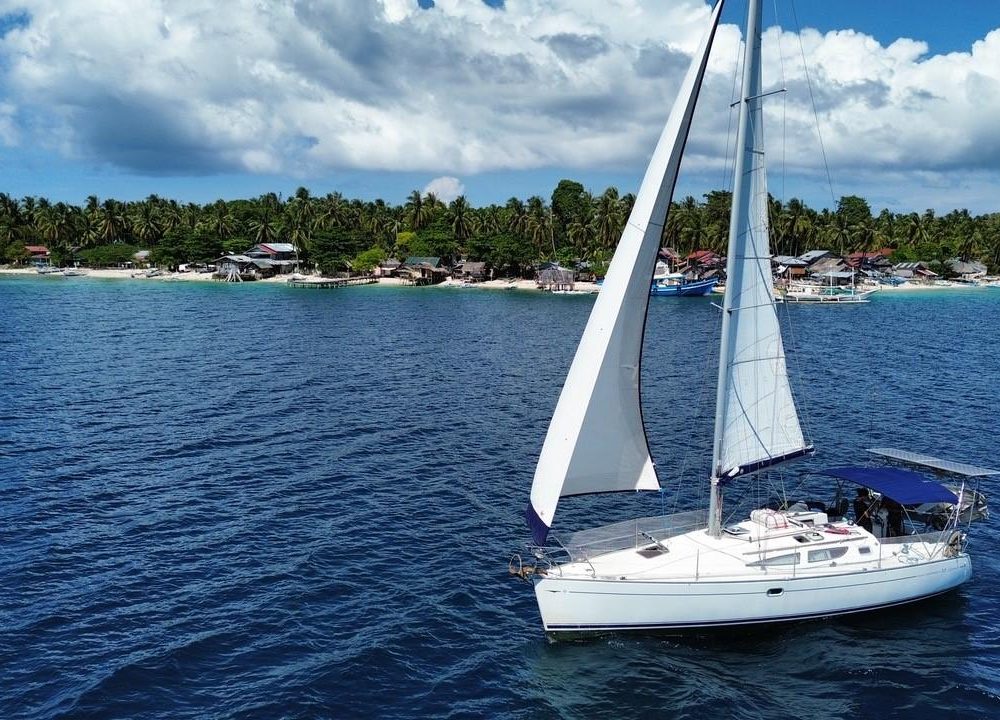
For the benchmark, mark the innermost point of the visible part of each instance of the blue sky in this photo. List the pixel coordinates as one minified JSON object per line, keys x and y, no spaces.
{"x":492,"y":100}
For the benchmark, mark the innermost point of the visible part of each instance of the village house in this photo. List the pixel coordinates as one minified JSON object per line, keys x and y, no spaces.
{"x":552,"y":276}
{"x":387,"y":268}
{"x":283,"y":257}
{"x":787,"y":266}
{"x":967,"y":271}
{"x":916,"y":272}
{"x":471,"y":271}
{"x":38,"y":255}
{"x":814,"y":256}
{"x":877,"y":260}
{"x":240,"y":268}
{"x":828,"y":264}
{"x":423,"y":271}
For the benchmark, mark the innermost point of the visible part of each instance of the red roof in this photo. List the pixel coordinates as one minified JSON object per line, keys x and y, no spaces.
{"x":884,"y":252}
{"x":37,"y":249}
{"x":702,"y":256}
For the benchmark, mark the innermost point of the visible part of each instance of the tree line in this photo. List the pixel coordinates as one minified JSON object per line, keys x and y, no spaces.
{"x":336,"y":234}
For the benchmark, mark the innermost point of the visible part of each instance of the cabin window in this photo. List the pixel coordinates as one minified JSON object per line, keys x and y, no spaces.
{"x":789,"y":559}
{"x":864,"y":550}
{"x":826,"y":554}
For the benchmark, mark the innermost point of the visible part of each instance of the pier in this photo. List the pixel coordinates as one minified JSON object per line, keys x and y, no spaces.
{"x":327,"y":283}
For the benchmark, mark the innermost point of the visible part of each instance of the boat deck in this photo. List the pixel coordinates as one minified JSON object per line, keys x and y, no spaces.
{"x":769,"y":544}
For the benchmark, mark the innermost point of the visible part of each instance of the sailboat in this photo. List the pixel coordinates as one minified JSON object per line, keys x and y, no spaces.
{"x":694,"y":569}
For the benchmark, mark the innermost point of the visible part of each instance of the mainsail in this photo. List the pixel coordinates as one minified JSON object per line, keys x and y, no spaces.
{"x":596,"y":440}
{"x":756,"y":421}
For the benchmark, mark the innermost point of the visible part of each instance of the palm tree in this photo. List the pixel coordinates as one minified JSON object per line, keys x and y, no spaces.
{"x":300,"y":226}
{"x":219,"y":221}
{"x":146,"y":224}
{"x":607,"y":223}
{"x":459,"y":217}
{"x":581,"y":235}
{"x":517,"y":217}
{"x":265,"y":228}
{"x":418,"y":213}
{"x":332,"y":212}
{"x":541,"y":230}
{"x":492,"y":222}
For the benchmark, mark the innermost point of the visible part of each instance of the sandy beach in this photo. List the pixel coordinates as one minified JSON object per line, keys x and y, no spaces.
{"x":140,"y":276}
{"x":503,"y":284}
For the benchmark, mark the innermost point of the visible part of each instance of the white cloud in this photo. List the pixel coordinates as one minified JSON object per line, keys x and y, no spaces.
{"x":305,"y":87}
{"x":445,"y":188}
{"x":9,"y":134}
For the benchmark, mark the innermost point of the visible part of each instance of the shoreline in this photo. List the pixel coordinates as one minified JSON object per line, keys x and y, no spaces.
{"x":580,"y":288}
{"x":137,"y":275}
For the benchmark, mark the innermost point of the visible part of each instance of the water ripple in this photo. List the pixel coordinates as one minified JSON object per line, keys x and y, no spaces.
{"x":206,"y":514}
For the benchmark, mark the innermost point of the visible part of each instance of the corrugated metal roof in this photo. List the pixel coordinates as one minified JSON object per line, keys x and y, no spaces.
{"x":966,"y":268}
{"x":278,"y":247}
{"x":414,"y":261}
{"x":813,"y":255}
{"x":789,"y":261}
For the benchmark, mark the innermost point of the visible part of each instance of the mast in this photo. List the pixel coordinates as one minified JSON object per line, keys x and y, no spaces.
{"x":738,"y":218}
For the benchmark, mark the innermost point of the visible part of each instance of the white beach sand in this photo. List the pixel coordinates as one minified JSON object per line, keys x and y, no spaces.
{"x":586,"y":287}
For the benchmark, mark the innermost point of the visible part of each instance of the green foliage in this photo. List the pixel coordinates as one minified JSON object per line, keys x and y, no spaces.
{"x":368,"y":260}
{"x":107,"y":255}
{"x":436,"y":240}
{"x":570,"y":204}
{"x":338,"y":234}
{"x":404,"y":244}
{"x":333,"y":251}
{"x":854,"y":210}
{"x":14,"y":253}
{"x":61,"y":256}
{"x":202,"y":246}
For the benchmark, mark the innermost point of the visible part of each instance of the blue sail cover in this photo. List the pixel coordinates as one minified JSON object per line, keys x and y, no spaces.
{"x":904,"y":486}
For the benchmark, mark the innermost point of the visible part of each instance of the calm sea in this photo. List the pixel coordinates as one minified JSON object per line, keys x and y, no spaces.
{"x":260,"y":502}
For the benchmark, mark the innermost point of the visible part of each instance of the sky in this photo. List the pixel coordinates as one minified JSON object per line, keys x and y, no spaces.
{"x":490,"y":99}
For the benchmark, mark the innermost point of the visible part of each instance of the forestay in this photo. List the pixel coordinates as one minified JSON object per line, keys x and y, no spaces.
{"x":756,"y":421}
{"x":596,"y":440}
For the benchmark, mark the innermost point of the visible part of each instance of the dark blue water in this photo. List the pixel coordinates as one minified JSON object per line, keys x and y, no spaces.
{"x":257,"y":502}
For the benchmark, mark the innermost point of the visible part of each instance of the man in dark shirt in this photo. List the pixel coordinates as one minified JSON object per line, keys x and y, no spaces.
{"x":863,"y":508}
{"x":895,"y":518}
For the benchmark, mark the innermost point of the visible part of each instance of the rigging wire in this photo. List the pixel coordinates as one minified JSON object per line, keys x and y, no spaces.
{"x":784,"y":97}
{"x":812,"y":100}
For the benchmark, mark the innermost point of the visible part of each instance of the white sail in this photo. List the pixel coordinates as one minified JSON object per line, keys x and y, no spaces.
{"x":596,"y":441}
{"x":756,"y":421}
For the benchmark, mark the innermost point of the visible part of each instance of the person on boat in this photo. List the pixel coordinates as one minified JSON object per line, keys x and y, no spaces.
{"x":895,"y":517}
{"x":863,"y":509}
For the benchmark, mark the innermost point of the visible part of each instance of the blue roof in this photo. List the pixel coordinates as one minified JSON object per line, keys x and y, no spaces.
{"x":904,"y":486}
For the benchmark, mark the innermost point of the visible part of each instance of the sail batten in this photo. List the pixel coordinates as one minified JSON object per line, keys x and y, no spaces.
{"x":596,"y":441}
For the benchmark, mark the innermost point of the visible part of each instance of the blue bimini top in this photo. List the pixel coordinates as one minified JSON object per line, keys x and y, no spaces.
{"x":904,"y":486}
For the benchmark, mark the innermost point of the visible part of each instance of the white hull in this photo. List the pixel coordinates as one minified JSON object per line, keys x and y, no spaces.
{"x":818,"y":296}
{"x":577,"y":605}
